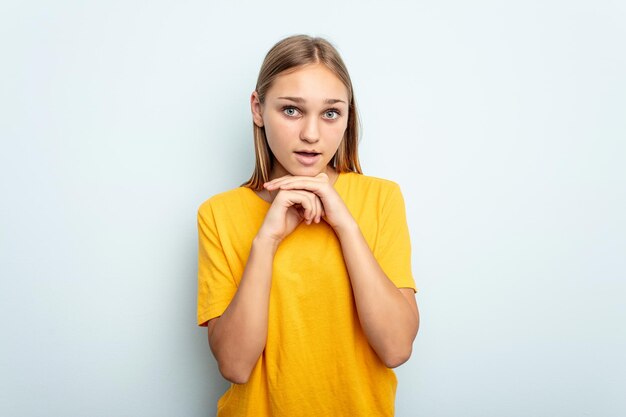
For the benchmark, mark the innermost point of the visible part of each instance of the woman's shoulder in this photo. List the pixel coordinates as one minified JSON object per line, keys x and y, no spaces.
{"x":227,"y":200}
{"x":375,"y":192}
{"x":369,"y":183}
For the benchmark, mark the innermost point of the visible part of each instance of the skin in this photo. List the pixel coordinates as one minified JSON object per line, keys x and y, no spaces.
{"x":314,"y":118}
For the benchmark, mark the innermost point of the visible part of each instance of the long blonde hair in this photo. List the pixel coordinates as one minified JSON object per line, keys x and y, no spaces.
{"x":289,"y":53}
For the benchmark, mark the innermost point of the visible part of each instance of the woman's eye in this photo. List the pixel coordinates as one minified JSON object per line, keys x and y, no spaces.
{"x":290,"y":111}
{"x":331,"y":114}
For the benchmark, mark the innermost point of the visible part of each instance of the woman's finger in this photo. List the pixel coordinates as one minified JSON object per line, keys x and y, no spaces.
{"x":306,"y":200}
{"x":308,"y":205}
{"x":315,"y":204}
{"x":285,"y":181}
{"x":318,"y":209}
{"x":315,"y":187}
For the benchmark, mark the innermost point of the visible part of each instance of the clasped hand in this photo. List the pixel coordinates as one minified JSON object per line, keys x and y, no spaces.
{"x":300,"y":198}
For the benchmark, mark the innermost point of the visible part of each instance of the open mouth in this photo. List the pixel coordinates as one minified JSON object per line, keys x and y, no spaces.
{"x":307,"y":158}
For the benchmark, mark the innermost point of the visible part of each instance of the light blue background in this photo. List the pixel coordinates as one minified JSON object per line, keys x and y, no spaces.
{"x":503,"y":122}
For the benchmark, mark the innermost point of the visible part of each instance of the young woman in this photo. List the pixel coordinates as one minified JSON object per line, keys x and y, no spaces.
{"x":305,"y":279}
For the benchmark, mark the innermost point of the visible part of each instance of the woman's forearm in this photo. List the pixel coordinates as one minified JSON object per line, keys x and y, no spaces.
{"x":388,"y":319}
{"x":237,"y":338}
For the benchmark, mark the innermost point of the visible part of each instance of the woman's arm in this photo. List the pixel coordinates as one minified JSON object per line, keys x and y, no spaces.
{"x":388,"y":315}
{"x":237,"y":337}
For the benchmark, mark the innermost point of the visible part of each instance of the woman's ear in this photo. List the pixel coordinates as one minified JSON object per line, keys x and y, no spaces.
{"x":257,"y":109}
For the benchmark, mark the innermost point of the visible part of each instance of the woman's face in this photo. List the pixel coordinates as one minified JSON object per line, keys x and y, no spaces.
{"x":305,"y":115}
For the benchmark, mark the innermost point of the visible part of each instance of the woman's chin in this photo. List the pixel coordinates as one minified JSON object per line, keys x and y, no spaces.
{"x":306,"y":172}
{"x":297,"y":170}
{"x":311,"y":171}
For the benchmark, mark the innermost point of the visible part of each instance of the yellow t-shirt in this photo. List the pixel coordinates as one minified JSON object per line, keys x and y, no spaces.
{"x":317,"y":361}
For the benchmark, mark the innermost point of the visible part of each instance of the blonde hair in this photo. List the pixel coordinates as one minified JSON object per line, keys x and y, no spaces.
{"x":288,"y":54}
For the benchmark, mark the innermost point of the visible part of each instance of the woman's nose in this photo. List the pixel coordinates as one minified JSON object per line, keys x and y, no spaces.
{"x":310,"y":130}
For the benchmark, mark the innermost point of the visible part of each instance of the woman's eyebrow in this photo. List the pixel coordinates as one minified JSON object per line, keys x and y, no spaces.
{"x":301,"y":100}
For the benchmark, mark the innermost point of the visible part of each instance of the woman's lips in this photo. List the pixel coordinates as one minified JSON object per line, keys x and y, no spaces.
{"x":307,"y":158}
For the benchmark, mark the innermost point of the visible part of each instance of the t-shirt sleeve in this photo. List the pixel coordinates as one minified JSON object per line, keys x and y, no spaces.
{"x":216,"y":285}
{"x":393,"y":246}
